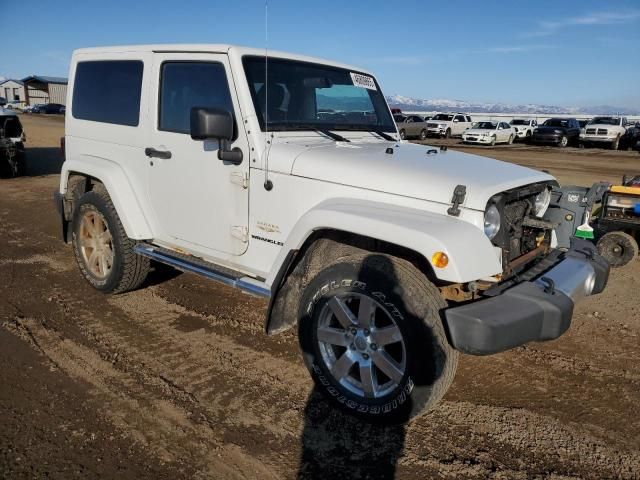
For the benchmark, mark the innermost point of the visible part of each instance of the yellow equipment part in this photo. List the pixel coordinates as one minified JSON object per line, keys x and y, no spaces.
{"x":623,"y":189}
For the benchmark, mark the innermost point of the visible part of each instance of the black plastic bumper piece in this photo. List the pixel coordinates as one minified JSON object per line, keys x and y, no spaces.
{"x":526,"y":312}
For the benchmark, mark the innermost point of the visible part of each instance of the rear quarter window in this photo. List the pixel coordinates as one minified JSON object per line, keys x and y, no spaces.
{"x":108,"y":91}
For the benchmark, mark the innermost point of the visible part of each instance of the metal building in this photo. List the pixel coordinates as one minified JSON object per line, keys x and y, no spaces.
{"x":40,"y":89}
{"x":13,"y":91}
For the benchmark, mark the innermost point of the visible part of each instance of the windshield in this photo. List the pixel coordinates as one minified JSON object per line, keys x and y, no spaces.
{"x":443,"y":117}
{"x":486,"y":126}
{"x":555,"y":122}
{"x":519,"y":122}
{"x":605,"y":121}
{"x":310,"y":96}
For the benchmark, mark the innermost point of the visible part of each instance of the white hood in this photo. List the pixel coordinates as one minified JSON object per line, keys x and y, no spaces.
{"x":409,"y":171}
{"x":479,"y":131}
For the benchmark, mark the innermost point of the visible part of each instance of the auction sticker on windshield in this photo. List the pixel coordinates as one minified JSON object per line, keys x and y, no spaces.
{"x":363,"y":81}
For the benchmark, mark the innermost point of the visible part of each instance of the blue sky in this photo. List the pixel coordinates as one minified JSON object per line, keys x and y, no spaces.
{"x":569,"y":53}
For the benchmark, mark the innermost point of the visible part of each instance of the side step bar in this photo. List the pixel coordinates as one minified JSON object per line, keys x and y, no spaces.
{"x":189,"y":263}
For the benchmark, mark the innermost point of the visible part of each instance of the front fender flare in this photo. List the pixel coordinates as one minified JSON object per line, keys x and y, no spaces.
{"x":471,"y":254}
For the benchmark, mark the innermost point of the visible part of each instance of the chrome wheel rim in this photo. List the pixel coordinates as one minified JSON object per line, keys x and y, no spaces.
{"x":96,"y":244}
{"x":361,"y":345}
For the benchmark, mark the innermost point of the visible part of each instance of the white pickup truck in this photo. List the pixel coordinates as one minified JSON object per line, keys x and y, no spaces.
{"x":290,"y":182}
{"x":604,"y":131}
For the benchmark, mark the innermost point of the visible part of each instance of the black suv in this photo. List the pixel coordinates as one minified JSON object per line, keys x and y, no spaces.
{"x":12,"y":154}
{"x":631,"y":139}
{"x":557,"y":131}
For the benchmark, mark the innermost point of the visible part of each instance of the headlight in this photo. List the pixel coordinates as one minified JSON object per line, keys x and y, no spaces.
{"x":442,"y":125}
{"x":542,"y":203}
{"x":491,"y":222}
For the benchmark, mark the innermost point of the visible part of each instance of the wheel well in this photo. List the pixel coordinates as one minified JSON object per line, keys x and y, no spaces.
{"x":318,"y":250}
{"x":77,"y":185}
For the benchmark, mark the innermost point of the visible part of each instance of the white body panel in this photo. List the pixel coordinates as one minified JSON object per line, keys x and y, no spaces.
{"x":198,"y":204}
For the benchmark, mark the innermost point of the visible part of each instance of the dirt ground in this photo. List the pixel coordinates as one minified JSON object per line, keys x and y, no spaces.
{"x":177,"y":380}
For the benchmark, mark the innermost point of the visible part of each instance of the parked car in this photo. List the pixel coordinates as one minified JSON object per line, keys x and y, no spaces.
{"x":11,"y":129}
{"x":31,"y":108}
{"x":631,"y":139}
{"x":490,"y":133}
{"x":523,"y":127}
{"x":412,"y":126}
{"x":49,"y":108}
{"x":604,"y":131}
{"x":448,"y":124}
{"x":558,"y":131}
{"x":387,"y":258}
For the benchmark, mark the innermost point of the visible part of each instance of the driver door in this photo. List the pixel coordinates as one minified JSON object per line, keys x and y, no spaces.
{"x":200,"y":202}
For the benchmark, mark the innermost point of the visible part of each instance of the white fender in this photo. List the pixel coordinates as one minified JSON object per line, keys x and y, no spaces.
{"x":471,"y":254}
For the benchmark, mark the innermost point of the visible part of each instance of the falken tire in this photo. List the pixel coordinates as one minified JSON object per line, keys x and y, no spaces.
{"x":127,"y":270}
{"x":404,"y":299}
{"x":618,"y":248}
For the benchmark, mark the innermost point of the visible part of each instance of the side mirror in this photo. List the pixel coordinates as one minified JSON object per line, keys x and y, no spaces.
{"x":216,"y":124}
{"x":455,"y":120}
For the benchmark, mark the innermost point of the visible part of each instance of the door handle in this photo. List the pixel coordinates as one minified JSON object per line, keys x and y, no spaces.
{"x":153,"y":153}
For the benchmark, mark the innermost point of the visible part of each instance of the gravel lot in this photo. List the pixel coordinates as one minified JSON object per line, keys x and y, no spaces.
{"x":177,"y":380}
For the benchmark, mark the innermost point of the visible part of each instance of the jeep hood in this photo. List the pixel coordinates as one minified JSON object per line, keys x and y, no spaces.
{"x":410,"y":171}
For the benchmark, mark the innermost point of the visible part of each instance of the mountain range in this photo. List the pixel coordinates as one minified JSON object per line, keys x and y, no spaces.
{"x":444,"y":105}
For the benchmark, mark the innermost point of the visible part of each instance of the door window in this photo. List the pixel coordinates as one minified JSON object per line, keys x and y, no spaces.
{"x":460,"y":118}
{"x":184,"y":85}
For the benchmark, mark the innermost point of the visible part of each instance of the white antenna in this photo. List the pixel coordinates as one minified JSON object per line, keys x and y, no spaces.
{"x":268,"y":184}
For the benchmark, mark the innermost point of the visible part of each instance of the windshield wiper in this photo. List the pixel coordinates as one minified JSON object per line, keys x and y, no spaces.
{"x":310,"y":128}
{"x":386,"y":136}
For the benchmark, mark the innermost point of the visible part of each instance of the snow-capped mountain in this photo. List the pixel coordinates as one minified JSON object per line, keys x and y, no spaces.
{"x":444,"y":105}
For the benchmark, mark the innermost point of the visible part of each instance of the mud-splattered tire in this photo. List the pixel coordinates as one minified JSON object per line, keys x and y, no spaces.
{"x":618,"y":248}
{"x":97,"y":227}
{"x":372,"y":337}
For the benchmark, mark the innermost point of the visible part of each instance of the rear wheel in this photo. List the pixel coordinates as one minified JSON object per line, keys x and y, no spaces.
{"x":102,"y":249}
{"x":618,"y":248}
{"x":371,"y":335}
{"x":564,"y":141}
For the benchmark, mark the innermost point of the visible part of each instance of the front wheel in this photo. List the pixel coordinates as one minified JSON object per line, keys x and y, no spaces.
{"x":615,"y":144}
{"x":403,"y":135}
{"x":564,"y":141}
{"x":371,"y":335}
{"x":102,"y":249}
{"x":447,"y":134}
{"x":493,"y":141}
{"x":618,"y":248}
{"x":510,"y":139}
{"x":423,"y":135}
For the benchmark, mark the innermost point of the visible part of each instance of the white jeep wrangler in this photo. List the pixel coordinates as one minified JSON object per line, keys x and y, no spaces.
{"x":285,"y":177}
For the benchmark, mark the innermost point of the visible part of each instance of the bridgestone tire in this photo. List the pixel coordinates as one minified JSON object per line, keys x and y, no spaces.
{"x":618,"y":248}
{"x":128,"y":270}
{"x":413,"y":303}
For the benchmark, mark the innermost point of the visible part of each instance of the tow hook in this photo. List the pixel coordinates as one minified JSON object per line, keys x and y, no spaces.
{"x":550,"y":285}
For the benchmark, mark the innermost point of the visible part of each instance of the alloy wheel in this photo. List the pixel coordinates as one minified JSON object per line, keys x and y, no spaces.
{"x":96,"y":244}
{"x":361,"y":345}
